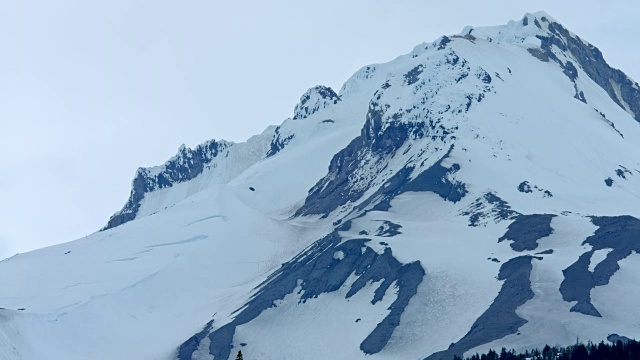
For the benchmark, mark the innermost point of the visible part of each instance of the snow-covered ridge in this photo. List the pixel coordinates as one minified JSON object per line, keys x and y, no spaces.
{"x":539,"y":33}
{"x":184,"y":166}
{"x":224,"y":158}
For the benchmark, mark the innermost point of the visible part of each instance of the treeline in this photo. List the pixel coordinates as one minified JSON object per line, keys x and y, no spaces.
{"x":627,"y":350}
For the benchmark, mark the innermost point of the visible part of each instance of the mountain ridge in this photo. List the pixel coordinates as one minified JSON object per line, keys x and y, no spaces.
{"x":539,"y":25}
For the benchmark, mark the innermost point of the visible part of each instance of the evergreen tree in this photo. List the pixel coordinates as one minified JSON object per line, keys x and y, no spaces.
{"x":503,"y":354}
{"x":579,"y":353}
{"x":546,"y":352}
{"x":239,"y":356}
{"x":620,"y":350}
{"x":492,"y":355}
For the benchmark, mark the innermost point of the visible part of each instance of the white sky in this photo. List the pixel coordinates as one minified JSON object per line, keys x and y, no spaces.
{"x":90,"y":90}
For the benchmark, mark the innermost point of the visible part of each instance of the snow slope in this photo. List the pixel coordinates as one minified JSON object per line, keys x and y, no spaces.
{"x":481,"y":191}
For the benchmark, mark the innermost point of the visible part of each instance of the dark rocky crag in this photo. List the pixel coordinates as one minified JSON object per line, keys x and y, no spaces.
{"x":621,"y":234}
{"x":315,"y":99}
{"x":526,"y":230}
{"x":278,"y":142}
{"x":500,"y":319}
{"x":489,"y":206}
{"x":336,"y":189}
{"x":186,"y":165}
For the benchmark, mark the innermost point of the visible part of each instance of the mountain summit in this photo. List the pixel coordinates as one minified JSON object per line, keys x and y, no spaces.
{"x":480,"y":191}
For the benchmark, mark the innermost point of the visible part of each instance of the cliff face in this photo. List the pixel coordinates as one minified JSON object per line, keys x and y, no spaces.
{"x":185,"y":166}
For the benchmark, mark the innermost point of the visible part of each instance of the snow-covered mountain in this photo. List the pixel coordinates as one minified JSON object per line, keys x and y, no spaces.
{"x":481,"y":191}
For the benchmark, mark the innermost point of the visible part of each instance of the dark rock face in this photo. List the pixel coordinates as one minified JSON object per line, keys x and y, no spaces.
{"x":443,"y":43}
{"x":484,"y":76}
{"x":388,"y":229}
{"x":590,"y":59}
{"x":331,"y":192}
{"x":537,"y":53}
{"x":580,"y":96}
{"x":504,"y":208}
{"x":571,"y":71}
{"x":535,"y":21}
{"x":526,"y":230}
{"x":577,"y":285}
{"x":524,"y":187}
{"x":619,"y":233}
{"x":546,"y":54}
{"x":435,"y":179}
{"x":278,"y":142}
{"x":316,"y":98}
{"x":546,"y":252}
{"x":337,"y":188}
{"x":489,"y":206}
{"x":500,"y":319}
{"x":413,"y":75}
{"x":317,"y":270}
{"x":186,"y":165}
{"x":623,"y":172}
{"x":467,"y":36}
{"x":608,"y":181}
{"x":190,"y":346}
{"x":409,"y":277}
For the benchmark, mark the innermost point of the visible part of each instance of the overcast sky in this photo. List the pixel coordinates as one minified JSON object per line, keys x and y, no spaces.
{"x":91,"y":90}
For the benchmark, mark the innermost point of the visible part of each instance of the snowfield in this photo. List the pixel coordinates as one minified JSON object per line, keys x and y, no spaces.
{"x":481,"y":191}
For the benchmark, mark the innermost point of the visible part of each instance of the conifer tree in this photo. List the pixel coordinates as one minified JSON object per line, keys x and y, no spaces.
{"x":239,"y":356}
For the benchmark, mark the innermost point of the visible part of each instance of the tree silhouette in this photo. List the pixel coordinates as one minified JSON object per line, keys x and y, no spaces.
{"x":619,"y":350}
{"x":239,"y":356}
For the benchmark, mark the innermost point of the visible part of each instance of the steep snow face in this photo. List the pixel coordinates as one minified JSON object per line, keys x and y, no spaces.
{"x":481,"y":191}
{"x":550,"y":41}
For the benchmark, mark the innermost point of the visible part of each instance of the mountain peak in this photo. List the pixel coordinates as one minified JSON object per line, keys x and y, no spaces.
{"x":515,"y":31}
{"x":314,"y":100}
{"x":548,"y":40}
